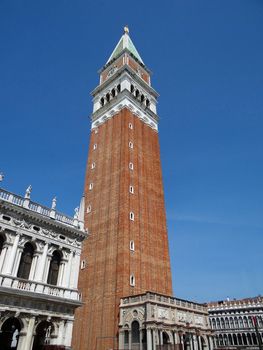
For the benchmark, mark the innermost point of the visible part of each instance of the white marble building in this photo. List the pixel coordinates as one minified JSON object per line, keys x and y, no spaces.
{"x":237,"y":323}
{"x":152,"y":321}
{"x":39,"y":267}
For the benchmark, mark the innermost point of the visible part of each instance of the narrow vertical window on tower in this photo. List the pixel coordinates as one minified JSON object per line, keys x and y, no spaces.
{"x":130,"y":144}
{"x":131,"y":166}
{"x":93,"y":165}
{"x":89,"y":209}
{"x":131,"y":216}
{"x":96,"y":131}
{"x":94,"y":146}
{"x":90,"y":186}
{"x":131,"y":189}
{"x":132,"y":280}
{"x":130,"y":126}
{"x":132,"y":248}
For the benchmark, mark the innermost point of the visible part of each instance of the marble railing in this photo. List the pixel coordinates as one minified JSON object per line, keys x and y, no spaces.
{"x":164,"y":299}
{"x":39,"y":288}
{"x":40,"y":209}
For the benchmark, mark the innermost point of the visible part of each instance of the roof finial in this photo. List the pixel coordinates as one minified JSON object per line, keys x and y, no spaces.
{"x":126,"y":29}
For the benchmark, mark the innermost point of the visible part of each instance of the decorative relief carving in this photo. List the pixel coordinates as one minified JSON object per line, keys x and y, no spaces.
{"x":163,"y":313}
{"x":199,"y":320}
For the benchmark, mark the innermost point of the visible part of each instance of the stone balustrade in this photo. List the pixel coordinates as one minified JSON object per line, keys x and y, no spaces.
{"x":164,"y":299}
{"x":40,"y":209}
{"x":38,"y":287}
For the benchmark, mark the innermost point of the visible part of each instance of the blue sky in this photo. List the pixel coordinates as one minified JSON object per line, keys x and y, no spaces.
{"x":207,"y":63}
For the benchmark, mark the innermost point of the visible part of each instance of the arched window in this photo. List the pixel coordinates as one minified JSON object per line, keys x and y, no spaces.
{"x":142,"y":98}
{"x":135,"y":329}
{"x":126,"y":337}
{"x":230,"y":340}
{"x":132,"y":88}
{"x":236,"y":322}
{"x":241,"y":324}
{"x":245,"y":322}
{"x":44,"y":331}
{"x":231,"y":322}
{"x":107,"y":97}
{"x":234,"y":339}
{"x":137,"y":93}
{"x":119,"y":88}
{"x":239,"y":339}
{"x":254,"y":339}
{"x":102,"y":102}
{"x":218,"y":323}
{"x":222,"y":323}
{"x":54,"y":268}
{"x":213,"y":323}
{"x":26,"y":261}
{"x":113,"y":92}
{"x":166,"y":339}
{"x":147,"y":103}
{"x":244,"y":339}
{"x":249,"y":339}
{"x":9,"y":334}
{"x":227,"y":323}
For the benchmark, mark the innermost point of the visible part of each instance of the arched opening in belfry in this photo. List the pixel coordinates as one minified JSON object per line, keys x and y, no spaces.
{"x":54,"y":268}
{"x":26,"y":261}
{"x":135,"y":330}
{"x":9,"y":335}
{"x":43,"y":334}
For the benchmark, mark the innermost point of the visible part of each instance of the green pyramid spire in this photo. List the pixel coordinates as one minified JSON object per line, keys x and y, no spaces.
{"x":125,"y":43}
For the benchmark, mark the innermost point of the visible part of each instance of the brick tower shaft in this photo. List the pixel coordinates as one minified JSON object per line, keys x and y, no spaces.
{"x":127,"y":250}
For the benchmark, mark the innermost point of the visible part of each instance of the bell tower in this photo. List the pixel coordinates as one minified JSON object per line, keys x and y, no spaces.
{"x":126,"y":252}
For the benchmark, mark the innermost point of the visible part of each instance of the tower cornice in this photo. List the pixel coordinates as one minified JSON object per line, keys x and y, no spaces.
{"x":132,"y":74}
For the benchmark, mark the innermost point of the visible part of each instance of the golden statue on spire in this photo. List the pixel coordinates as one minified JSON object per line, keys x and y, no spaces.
{"x":126,"y":29}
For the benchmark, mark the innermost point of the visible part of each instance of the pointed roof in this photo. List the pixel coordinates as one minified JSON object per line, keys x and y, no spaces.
{"x":125,"y":42}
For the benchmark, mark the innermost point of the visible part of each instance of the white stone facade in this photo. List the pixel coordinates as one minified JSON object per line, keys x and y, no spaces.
{"x":237,"y":323}
{"x":39,"y":266}
{"x":153,"y":322}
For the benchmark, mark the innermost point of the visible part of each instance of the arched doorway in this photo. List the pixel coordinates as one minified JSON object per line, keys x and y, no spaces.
{"x":42,"y":335}
{"x":9,"y":335}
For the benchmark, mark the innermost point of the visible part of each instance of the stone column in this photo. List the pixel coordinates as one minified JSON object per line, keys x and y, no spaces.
{"x":61,"y":273}
{"x":26,"y":342}
{"x":161,"y":337}
{"x":149,"y":339}
{"x":61,"y":333}
{"x":66,"y":277}
{"x":33,"y":267}
{"x":46,"y":269}
{"x":74,"y":274}
{"x":2,"y":256}
{"x":17,"y":261}
{"x":68,"y":333}
{"x":8,"y":268}
{"x":154,"y":339}
{"x":140,"y":339}
{"x":121,"y":339}
{"x":40,"y":267}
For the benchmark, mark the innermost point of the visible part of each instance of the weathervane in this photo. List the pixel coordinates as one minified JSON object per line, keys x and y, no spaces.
{"x":126,"y":29}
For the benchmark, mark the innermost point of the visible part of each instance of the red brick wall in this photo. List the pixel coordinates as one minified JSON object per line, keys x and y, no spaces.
{"x":107,"y":250}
